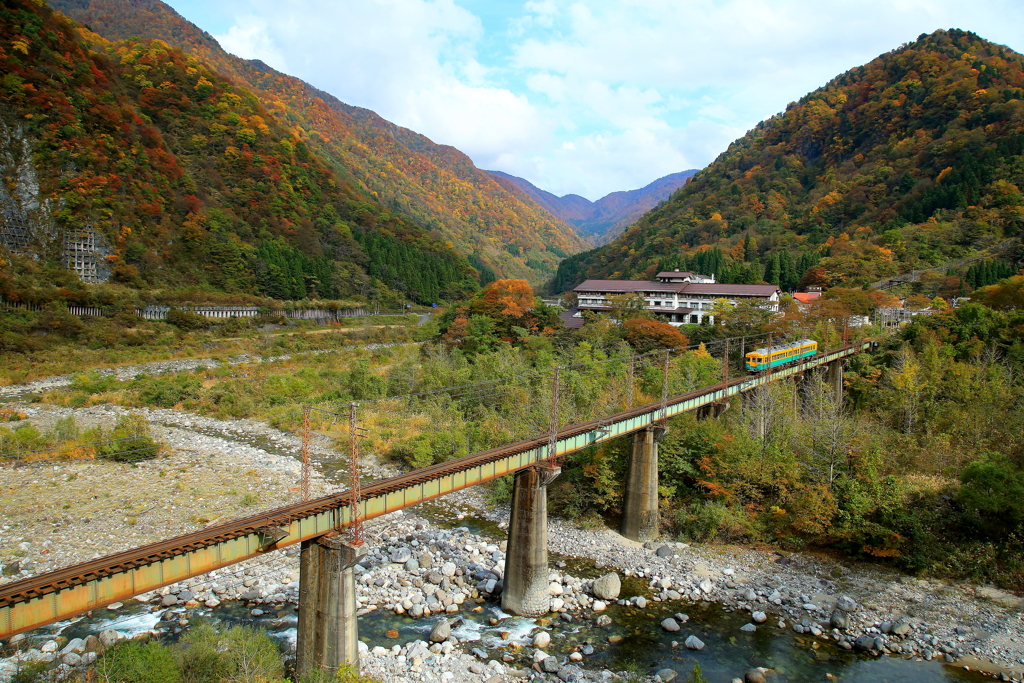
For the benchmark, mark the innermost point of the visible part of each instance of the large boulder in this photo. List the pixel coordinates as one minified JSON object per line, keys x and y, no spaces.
{"x":847,"y":604}
{"x":694,"y":643}
{"x":109,"y":637}
{"x":864,"y":643}
{"x":838,"y":619}
{"x":754,"y":676}
{"x":442,"y":629}
{"x":608,"y":587}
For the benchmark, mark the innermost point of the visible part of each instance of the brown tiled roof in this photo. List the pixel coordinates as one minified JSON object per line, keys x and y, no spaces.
{"x":731,"y":290}
{"x":570,"y":321}
{"x":629,"y":286}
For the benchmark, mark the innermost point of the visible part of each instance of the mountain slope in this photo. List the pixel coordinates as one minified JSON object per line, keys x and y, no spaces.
{"x":135,"y":161}
{"x":434,"y":185}
{"x":908,"y":161}
{"x":601,"y":221}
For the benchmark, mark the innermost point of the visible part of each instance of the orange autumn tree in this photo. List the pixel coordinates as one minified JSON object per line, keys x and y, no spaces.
{"x":1008,"y":295}
{"x":504,"y":298}
{"x":503,"y":311}
{"x":648,"y":335}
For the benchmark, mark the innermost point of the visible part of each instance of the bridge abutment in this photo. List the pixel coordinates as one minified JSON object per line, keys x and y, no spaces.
{"x":328,"y":634}
{"x":640,"y":514}
{"x":525,"y":589}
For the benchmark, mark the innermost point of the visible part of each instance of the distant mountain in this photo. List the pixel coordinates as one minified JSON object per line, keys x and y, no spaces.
{"x":910,"y":161}
{"x":600,"y":222}
{"x":503,"y":233}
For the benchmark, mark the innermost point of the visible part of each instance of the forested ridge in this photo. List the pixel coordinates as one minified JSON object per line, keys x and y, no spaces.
{"x":187,"y":177}
{"x":906,"y":162}
{"x":432,"y":185}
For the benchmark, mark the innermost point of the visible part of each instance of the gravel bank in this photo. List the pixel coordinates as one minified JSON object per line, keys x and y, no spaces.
{"x":59,"y":513}
{"x":122,"y":374}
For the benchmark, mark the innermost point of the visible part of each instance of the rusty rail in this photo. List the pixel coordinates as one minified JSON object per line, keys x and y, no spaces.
{"x":67,"y":592}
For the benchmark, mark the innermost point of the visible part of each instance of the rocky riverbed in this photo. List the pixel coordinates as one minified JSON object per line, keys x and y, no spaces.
{"x":425,"y":568}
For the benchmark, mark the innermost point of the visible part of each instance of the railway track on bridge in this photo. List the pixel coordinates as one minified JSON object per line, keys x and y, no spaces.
{"x":64,"y":593}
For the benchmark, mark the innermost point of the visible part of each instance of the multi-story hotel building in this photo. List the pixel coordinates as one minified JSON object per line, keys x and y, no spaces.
{"x":677,"y":297}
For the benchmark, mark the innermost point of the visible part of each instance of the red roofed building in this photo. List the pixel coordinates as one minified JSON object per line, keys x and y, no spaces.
{"x":679,"y":298}
{"x":807,"y":297}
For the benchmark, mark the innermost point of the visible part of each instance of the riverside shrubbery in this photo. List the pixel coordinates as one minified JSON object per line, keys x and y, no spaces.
{"x":204,"y":654}
{"x":129,"y":441}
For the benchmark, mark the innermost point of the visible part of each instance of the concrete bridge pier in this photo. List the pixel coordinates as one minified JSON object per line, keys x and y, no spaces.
{"x":640,"y":514}
{"x":834,"y":377}
{"x":526,"y":584}
{"x":800,"y":380}
{"x":712,"y":411}
{"x":328,"y":635}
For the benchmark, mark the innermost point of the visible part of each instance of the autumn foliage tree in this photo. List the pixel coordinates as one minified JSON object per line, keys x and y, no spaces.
{"x":511,"y":299}
{"x":644,"y":335}
{"x":503,"y":311}
{"x":1005,"y":296}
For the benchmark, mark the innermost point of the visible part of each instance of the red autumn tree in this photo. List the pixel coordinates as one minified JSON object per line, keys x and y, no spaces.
{"x":647,"y":335}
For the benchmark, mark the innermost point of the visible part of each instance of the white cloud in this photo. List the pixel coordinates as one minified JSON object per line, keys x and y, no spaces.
{"x":587,"y":96}
{"x":652,"y":83}
{"x":412,"y":61}
{"x":249,"y":39}
{"x":595,"y":164}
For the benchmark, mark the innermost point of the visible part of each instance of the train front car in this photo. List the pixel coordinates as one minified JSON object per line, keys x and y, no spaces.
{"x":767,"y":358}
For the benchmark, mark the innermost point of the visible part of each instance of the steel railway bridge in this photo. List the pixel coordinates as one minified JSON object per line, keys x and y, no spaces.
{"x":327,"y":624}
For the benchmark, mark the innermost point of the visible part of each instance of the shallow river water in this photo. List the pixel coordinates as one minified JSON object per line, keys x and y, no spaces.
{"x":644,"y":647}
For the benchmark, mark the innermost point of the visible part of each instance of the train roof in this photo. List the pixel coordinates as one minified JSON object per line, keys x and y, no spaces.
{"x":783,"y":347}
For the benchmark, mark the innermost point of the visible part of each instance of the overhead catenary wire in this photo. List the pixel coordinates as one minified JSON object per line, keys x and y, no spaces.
{"x":493,"y":388}
{"x":539,"y":383}
{"x":547,"y":374}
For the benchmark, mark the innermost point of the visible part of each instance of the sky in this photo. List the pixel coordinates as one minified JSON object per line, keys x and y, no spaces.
{"x":583,"y":96}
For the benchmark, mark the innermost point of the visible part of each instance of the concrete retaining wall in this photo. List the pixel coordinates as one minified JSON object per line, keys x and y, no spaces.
{"x":159,"y":312}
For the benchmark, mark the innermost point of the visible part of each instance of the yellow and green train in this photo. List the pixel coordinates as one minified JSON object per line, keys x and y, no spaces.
{"x":760,"y":360}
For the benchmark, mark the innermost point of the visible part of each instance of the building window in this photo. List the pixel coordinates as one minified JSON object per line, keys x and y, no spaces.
{"x":694,"y":319}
